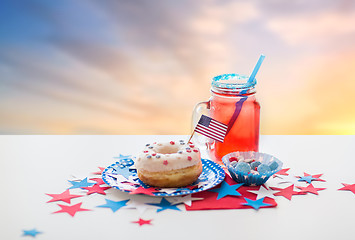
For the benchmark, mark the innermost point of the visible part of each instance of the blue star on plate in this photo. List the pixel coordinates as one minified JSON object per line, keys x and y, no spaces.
{"x":31,"y":233}
{"x":227,"y":190}
{"x":164,"y":205}
{"x":256,"y":204}
{"x":81,"y":184}
{"x":308,"y":179}
{"x":123,"y":157}
{"x":114,"y":205}
{"x":123,"y":171}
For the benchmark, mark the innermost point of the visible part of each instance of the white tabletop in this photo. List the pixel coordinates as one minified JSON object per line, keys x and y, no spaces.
{"x":34,"y":165}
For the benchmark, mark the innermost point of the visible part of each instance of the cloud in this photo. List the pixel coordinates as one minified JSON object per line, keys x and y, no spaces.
{"x":137,"y":67}
{"x":314,"y":27}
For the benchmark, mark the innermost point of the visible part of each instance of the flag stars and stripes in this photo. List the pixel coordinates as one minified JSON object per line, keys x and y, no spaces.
{"x":211,"y":128}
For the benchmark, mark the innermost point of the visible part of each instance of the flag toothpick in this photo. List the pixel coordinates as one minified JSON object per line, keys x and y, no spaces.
{"x":191,"y":136}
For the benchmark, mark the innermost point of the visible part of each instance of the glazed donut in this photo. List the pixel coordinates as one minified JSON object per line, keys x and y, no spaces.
{"x":169,"y":164}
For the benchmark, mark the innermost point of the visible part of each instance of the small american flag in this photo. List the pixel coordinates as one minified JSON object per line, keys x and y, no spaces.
{"x":211,"y":128}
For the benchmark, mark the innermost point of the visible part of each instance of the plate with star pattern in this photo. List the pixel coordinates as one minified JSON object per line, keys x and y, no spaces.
{"x":123,"y":176}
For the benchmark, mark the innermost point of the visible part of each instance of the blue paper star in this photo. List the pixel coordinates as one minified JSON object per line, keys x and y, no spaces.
{"x":123,"y":171}
{"x":227,"y":190}
{"x":256,"y":204}
{"x":31,"y":233}
{"x":114,"y":205}
{"x":81,"y":184}
{"x":308,"y":179}
{"x":164,"y":205}
{"x":123,"y":157}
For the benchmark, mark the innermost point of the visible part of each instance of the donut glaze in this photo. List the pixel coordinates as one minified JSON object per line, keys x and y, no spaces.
{"x":169,"y":164}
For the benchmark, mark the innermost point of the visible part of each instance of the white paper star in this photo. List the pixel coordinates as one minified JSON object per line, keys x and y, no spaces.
{"x":290,"y":179}
{"x":263,"y":192}
{"x":77,"y":177}
{"x":185,"y":199}
{"x":120,"y":178}
{"x":123,"y":186}
{"x":168,"y":190}
{"x":139,"y":203}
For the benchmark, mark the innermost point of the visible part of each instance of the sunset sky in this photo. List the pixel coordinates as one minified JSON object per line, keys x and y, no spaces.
{"x":139,"y":67}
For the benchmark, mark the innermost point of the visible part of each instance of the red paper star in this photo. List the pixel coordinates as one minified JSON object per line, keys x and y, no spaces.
{"x":99,"y":172}
{"x":71,"y":210}
{"x":96,"y":189}
{"x":98,"y":181}
{"x":64,"y":196}
{"x":310,"y":189}
{"x":142,"y":222}
{"x":142,"y":190}
{"x":348,"y":187}
{"x":286,"y":192}
{"x":282,"y":172}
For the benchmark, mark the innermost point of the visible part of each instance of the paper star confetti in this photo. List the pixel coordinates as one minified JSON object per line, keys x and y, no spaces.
{"x":227,"y":190}
{"x":290,"y":179}
{"x":96,"y":189}
{"x":32,"y":233}
{"x":168,"y":190}
{"x":256,"y":204}
{"x":98,"y":181}
{"x":263,"y":192}
{"x":282,"y":172}
{"x":310,"y":189}
{"x":122,"y":179}
{"x":123,"y":186}
{"x":187,"y":200}
{"x":71,"y":210}
{"x":286,"y":192}
{"x":309,"y":178}
{"x":64,"y":196}
{"x":164,"y":205}
{"x":142,"y":190}
{"x":77,"y":177}
{"x":113,"y":205}
{"x":99,"y":172}
{"x":143,"y":222}
{"x":81,"y":184}
{"x":123,"y":157}
{"x":201,"y":181}
{"x":348,"y":187}
{"x":140,"y":203}
{"x":123,"y":172}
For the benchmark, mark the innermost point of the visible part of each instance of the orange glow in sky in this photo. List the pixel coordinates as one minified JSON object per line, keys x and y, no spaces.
{"x":120,"y":67}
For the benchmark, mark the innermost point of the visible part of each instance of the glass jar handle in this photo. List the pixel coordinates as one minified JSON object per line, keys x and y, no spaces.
{"x":202,"y":108}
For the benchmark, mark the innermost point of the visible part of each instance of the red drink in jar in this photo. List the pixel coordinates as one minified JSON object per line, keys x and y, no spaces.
{"x":233,"y":103}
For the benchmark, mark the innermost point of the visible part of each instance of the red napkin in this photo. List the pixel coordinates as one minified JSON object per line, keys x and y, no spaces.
{"x":210,"y":201}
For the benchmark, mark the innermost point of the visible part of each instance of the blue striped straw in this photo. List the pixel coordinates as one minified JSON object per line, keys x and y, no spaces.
{"x":256,"y":68}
